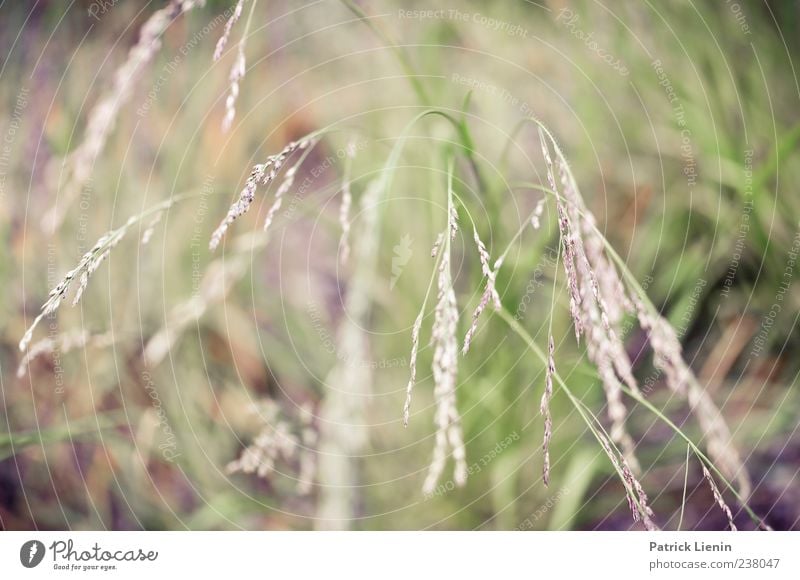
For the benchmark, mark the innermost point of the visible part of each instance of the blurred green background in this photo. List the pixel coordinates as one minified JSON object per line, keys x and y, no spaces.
{"x":680,"y":122}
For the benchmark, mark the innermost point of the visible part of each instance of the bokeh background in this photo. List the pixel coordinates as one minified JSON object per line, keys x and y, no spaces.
{"x":680,"y":122}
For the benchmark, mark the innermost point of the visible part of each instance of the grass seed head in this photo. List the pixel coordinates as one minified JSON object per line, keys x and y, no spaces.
{"x":719,"y":499}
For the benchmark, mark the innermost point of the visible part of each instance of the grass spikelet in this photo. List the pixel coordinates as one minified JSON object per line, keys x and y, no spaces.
{"x":274,"y":442}
{"x":640,"y":508}
{"x":437,"y":244}
{"x":637,"y":499}
{"x":262,"y":174}
{"x":604,"y":347}
{"x":719,"y":440}
{"x":235,"y":77}
{"x":151,"y":228}
{"x":569,"y":269}
{"x":63,"y":343}
{"x":239,"y":67}
{"x":445,"y":368}
{"x":611,"y":287}
{"x":87,"y":265}
{"x":568,"y":241}
{"x":667,"y":351}
{"x":489,"y":293}
{"x":588,"y":305}
{"x":487,"y":270}
{"x":602,"y":339}
{"x":412,"y":367}
{"x":668,"y":357}
{"x":223,"y":40}
{"x":286,"y":184}
{"x":537,"y":214}
{"x":719,"y":499}
{"x":544,"y":408}
{"x":347,"y":201}
{"x":617,"y":413}
{"x":453,"y":221}
{"x":416,"y":330}
{"x":241,"y":206}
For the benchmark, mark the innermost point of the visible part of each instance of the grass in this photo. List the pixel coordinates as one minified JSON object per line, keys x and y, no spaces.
{"x":256,"y":341}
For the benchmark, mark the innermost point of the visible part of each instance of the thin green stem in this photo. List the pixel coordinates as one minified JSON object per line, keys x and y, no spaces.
{"x":248,"y":23}
{"x":685,"y":485}
{"x":657,"y":412}
{"x":634,"y":286}
{"x":594,"y":426}
{"x":525,"y":223}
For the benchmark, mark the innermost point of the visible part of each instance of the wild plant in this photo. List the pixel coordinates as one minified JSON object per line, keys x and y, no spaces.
{"x":74,"y":171}
{"x":600,"y":290}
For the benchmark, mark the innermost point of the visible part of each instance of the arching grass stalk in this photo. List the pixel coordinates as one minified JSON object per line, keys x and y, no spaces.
{"x":467,"y":142}
{"x":638,"y":397}
{"x":634,"y":286}
{"x":614,"y":296}
{"x":92,"y":259}
{"x":702,"y":456}
{"x":262,"y":175}
{"x":413,"y":77}
{"x":593,"y":425}
{"x":221,"y":275}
